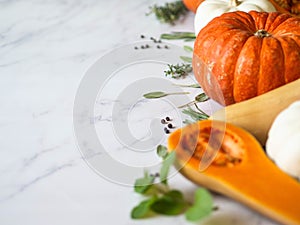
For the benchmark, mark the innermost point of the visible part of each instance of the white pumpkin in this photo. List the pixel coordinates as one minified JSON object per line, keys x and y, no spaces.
{"x":210,"y":9}
{"x":283,"y":143}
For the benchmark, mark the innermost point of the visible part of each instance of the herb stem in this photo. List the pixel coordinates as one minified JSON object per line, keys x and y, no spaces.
{"x":179,"y":93}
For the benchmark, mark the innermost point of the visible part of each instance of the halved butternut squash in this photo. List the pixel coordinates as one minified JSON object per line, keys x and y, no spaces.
{"x":229,"y":160}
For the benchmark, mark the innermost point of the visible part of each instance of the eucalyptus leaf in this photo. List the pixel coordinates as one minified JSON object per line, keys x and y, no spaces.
{"x":143,"y":209}
{"x":142,"y":185}
{"x":202,"y":207}
{"x":171,"y":203}
{"x":162,"y":151}
{"x":165,"y":168}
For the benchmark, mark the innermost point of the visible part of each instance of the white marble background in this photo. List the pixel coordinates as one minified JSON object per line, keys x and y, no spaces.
{"x":46,"y":46}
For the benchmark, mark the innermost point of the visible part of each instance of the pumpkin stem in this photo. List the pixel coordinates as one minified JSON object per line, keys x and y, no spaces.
{"x":234,"y":3}
{"x":262,"y":33}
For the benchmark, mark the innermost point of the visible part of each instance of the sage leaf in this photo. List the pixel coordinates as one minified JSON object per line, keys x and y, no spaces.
{"x":201,"y":97}
{"x":188,"y":48}
{"x":186,"y":59}
{"x":160,"y":94}
{"x":178,"y":35}
{"x":202,"y":207}
{"x":188,"y":85}
{"x":155,"y":94}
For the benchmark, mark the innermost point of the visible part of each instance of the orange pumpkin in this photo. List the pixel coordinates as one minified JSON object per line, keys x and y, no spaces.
{"x":248,"y":54}
{"x":192,"y":5}
{"x":287,"y":6}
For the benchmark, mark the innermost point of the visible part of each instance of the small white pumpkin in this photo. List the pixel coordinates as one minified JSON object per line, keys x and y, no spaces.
{"x":283,"y":143}
{"x":210,"y":9}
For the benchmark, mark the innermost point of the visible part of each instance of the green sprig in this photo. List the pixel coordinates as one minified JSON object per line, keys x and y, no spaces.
{"x":195,"y":115}
{"x":170,"y":12}
{"x":166,"y":201}
{"x":160,"y":94}
{"x":178,"y":70}
{"x":187,"y":36}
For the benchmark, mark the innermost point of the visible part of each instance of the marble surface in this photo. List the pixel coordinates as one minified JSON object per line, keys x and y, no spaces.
{"x":46,"y":49}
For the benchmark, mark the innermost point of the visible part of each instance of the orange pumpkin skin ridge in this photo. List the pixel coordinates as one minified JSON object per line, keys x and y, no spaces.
{"x":248,"y":53}
{"x":192,"y":5}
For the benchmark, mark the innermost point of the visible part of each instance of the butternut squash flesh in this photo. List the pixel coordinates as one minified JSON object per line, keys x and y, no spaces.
{"x":229,"y":160}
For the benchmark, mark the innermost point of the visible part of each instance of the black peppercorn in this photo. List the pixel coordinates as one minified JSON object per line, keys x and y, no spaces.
{"x":170,"y":125}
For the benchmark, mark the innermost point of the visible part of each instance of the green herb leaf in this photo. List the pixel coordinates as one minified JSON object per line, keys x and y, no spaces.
{"x":143,"y":209}
{"x":186,"y":59}
{"x":178,"y":71}
{"x":171,"y":203}
{"x":179,"y":35}
{"x":203,"y":206}
{"x":164,"y":171}
{"x":188,"y":85}
{"x":155,"y":94}
{"x":162,"y":151}
{"x":170,"y":12}
{"x":195,"y":115}
{"x":201,"y":97}
{"x":142,"y":185}
{"x":188,"y":48}
{"x":160,"y":94}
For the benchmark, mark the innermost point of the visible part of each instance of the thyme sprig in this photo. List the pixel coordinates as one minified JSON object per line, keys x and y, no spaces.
{"x":178,"y":70}
{"x":170,"y":12}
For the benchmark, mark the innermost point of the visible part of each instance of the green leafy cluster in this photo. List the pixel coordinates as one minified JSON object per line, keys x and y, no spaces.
{"x":178,"y":70}
{"x":161,"y":199}
{"x":170,"y":12}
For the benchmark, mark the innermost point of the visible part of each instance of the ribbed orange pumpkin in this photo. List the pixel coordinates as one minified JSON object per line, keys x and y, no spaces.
{"x":192,"y":5}
{"x":287,"y":6}
{"x":248,"y":53}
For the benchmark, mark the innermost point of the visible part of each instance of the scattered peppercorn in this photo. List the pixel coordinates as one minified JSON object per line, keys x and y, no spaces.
{"x":147,"y":46}
{"x":163,"y":121}
{"x":158,"y":46}
{"x":136,"y":48}
{"x":166,"y":130}
{"x":142,"y":36}
{"x":168,"y":118}
{"x":170,"y":125}
{"x":166,"y":46}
